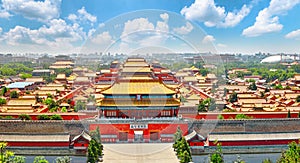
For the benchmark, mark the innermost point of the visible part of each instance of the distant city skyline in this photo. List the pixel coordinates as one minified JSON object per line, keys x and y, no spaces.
{"x":66,"y":26}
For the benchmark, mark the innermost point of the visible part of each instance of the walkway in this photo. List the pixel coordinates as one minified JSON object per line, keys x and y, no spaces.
{"x":139,"y":153}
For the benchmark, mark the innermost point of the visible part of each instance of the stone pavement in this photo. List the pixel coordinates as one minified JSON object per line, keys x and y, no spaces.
{"x":139,"y":153}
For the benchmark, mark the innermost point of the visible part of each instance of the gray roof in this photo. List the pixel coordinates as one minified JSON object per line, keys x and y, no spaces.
{"x":17,"y":137}
{"x":253,"y":136}
{"x":19,"y":84}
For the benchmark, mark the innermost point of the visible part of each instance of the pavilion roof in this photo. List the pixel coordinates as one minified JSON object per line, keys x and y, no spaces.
{"x":152,"y":102}
{"x":139,"y":69}
{"x":139,"y":87}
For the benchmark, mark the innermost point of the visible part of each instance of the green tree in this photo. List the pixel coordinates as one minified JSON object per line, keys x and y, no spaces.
{"x":3,"y":91}
{"x":64,"y":109}
{"x":2,"y":101}
{"x":178,"y":134}
{"x":291,"y":155}
{"x":242,"y":116}
{"x":96,"y":134}
{"x":19,"y":159}
{"x":201,"y":107}
{"x":14,"y":94}
{"x":43,"y":117}
{"x":289,"y":114}
{"x":5,"y":155}
{"x":233,"y":97}
{"x":25,"y":75}
{"x":80,"y":106}
{"x":252,"y":86}
{"x":94,"y":151}
{"x":185,"y":157}
{"x":217,"y":156}
{"x":52,"y":105}
{"x":56,"y":117}
{"x":298,"y":98}
{"x":24,"y":117}
{"x":40,"y":159}
{"x":220,"y":116}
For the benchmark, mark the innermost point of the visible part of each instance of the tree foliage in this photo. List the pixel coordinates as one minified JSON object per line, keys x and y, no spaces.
{"x":96,"y":134}
{"x":182,"y":147}
{"x":80,"y":106}
{"x":298,"y":98}
{"x":252,"y":86}
{"x":217,"y":156}
{"x":40,"y":159}
{"x":207,"y":104}
{"x":291,"y":155}
{"x":24,"y":117}
{"x":242,"y":116}
{"x":43,"y":117}
{"x":233,"y":97}
{"x":14,"y":94}
{"x":56,"y":117}
{"x":94,"y":151}
{"x":2,"y":101}
{"x":19,"y":159}
{"x":5,"y":155}
{"x":65,"y":159}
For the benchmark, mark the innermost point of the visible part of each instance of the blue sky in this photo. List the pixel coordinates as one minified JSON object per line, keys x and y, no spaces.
{"x":134,"y":26}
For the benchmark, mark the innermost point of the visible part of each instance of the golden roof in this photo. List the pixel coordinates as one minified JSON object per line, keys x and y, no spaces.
{"x":126,"y":102}
{"x":21,"y":102}
{"x":138,"y":87}
{"x":134,"y":69}
{"x":136,"y":64}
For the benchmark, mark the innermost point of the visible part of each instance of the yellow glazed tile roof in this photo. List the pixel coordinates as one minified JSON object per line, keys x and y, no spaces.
{"x":138,"y":87}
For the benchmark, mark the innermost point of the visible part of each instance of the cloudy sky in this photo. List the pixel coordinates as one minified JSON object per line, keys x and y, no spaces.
{"x":223,"y":26}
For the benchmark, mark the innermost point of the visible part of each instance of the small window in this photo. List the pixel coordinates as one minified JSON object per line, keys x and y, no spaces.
{"x":138,"y":97}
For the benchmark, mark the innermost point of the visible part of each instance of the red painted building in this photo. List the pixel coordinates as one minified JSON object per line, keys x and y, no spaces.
{"x":139,"y":131}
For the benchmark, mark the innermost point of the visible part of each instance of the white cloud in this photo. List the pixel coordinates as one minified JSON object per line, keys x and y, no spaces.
{"x":140,"y":32}
{"x":103,"y":38}
{"x":82,"y":16}
{"x":72,"y":17}
{"x":37,"y":10}
{"x":267,"y":20}
{"x":208,"y":39}
{"x":206,"y":11}
{"x":137,"y":25}
{"x":164,"y":17}
{"x":222,"y":45}
{"x":56,"y":36}
{"x":101,"y":25}
{"x":183,"y":30}
{"x":293,"y":35}
{"x":4,"y":14}
{"x":87,"y":16}
{"x":0,"y":30}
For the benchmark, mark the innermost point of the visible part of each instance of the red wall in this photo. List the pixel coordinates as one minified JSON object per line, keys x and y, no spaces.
{"x":162,"y":128}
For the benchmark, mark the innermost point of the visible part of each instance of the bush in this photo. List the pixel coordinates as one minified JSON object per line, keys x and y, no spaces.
{"x":2,"y":101}
{"x":220,"y":116}
{"x":24,"y":117}
{"x":242,"y":116}
{"x":56,"y":117}
{"x":43,"y":117}
{"x":14,"y":94}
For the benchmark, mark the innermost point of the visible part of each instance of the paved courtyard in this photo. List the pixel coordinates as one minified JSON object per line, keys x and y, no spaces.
{"x":139,"y":153}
